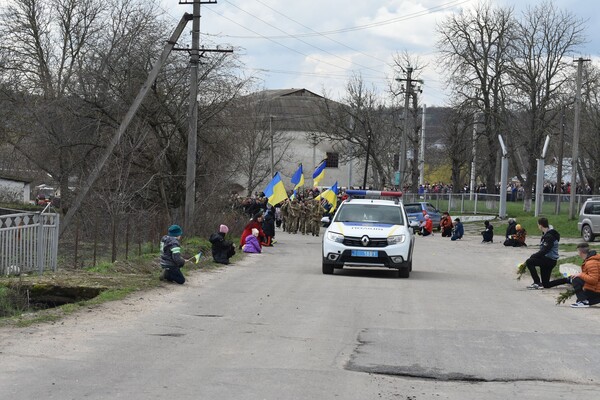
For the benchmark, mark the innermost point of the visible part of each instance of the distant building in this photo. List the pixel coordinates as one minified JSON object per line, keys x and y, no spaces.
{"x":296,"y":112}
{"x":14,"y":190}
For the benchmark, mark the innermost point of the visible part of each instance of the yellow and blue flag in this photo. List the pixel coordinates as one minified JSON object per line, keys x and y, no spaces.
{"x":275,"y":190}
{"x":319,"y":173}
{"x":298,"y":178}
{"x":330,"y":195}
{"x":196,"y":258}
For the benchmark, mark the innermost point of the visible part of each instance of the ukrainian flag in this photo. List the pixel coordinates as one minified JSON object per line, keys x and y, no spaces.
{"x":319,"y":173}
{"x":330,"y":195}
{"x":298,"y":178}
{"x":275,"y":190}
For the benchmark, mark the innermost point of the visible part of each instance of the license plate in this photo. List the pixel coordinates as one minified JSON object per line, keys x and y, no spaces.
{"x":364,"y":253}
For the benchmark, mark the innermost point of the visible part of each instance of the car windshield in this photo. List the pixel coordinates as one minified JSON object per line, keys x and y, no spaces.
{"x":376,"y":213}
{"x":413,"y":208}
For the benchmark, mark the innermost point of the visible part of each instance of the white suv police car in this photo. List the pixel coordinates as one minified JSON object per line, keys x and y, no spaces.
{"x":369,"y":233}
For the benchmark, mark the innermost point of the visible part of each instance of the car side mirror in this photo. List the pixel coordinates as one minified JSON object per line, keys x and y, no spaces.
{"x":326,"y":221}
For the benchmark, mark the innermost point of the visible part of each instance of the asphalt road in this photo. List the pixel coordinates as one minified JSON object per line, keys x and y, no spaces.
{"x":273,"y":327}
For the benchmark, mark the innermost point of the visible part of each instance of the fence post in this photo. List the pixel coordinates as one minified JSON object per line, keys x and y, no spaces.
{"x":39,"y":243}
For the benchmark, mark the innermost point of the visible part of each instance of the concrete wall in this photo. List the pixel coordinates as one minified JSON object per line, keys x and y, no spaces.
{"x":11,"y":190}
{"x":303,"y":151}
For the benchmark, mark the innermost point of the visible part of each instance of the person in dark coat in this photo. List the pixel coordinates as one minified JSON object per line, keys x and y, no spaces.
{"x":458,"y":230}
{"x":511,"y":229}
{"x":222,"y":250}
{"x":488,"y":233}
{"x":268,"y":226}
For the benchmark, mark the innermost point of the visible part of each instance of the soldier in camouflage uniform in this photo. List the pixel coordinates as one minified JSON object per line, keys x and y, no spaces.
{"x":304,"y":217}
{"x":285,"y":215}
{"x":316,"y":214}
{"x":294,"y":213}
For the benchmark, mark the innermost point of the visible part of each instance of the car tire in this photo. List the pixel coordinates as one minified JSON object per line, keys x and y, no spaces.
{"x":587,"y":234}
{"x":403,"y":273}
{"x":327,"y":268}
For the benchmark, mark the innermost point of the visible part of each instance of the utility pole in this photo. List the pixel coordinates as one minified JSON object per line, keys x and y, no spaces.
{"x":576,"y":139}
{"x":422,"y":149}
{"x":367,"y":159}
{"x":192,"y":145}
{"x":271,"y":146}
{"x":561,"y":147}
{"x":404,"y":135}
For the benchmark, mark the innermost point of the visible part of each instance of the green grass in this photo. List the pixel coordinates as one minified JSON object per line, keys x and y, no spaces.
{"x":122,"y":278}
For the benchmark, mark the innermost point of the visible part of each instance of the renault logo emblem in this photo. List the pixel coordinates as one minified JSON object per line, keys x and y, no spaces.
{"x":365,"y":240}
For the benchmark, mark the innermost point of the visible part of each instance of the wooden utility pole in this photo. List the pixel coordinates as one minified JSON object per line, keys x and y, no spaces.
{"x":192,"y":146}
{"x":561,"y":147}
{"x":404,"y":135}
{"x":576,"y":139}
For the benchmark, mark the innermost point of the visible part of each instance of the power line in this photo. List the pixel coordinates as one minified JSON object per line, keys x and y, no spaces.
{"x":407,"y":17}
{"x":303,"y":41}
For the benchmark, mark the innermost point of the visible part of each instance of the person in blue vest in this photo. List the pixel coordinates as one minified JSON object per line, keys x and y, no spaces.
{"x":171,"y":260}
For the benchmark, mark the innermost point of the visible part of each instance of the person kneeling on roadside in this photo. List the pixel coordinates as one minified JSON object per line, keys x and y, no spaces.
{"x":446,"y":225}
{"x":587,"y":283}
{"x":518,"y":238}
{"x":545,"y":258}
{"x":426,"y":226}
{"x":458,"y":230}
{"x":222,"y":250}
{"x":252,"y":244}
{"x":171,"y":260}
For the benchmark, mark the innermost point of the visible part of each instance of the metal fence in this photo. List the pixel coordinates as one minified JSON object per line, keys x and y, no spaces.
{"x":482,"y":203}
{"x":28,"y":242}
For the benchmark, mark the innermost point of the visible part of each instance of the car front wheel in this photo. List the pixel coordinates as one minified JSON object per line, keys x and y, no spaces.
{"x":327,"y":268}
{"x":586,"y":233}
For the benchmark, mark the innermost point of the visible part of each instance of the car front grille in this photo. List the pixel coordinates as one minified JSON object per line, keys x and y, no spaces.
{"x":355,"y":242}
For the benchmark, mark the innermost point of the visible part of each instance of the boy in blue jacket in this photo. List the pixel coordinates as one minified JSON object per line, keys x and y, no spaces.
{"x":171,"y":260}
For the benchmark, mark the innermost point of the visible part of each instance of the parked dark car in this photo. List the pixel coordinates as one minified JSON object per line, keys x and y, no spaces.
{"x":415,"y":212}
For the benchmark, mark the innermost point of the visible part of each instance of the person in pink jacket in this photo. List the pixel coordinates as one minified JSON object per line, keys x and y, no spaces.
{"x":252,"y":244}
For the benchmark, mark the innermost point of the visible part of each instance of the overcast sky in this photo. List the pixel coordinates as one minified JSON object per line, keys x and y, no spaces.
{"x":316,"y":44}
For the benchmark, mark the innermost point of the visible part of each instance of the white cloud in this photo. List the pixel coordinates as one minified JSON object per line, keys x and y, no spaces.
{"x":311,"y":60}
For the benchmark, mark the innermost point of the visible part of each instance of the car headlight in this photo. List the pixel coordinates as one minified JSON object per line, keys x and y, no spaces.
{"x":396,"y":239}
{"x":335,"y":237}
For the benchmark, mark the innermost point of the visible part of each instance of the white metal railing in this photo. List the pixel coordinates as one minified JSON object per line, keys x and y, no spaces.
{"x":483,"y":203}
{"x":28,"y":242}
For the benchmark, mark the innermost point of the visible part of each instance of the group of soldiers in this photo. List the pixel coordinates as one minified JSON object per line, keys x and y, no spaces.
{"x":302,"y":216}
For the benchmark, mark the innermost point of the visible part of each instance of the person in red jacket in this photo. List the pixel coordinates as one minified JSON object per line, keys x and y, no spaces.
{"x":256,"y":223}
{"x":427,"y":226}
{"x":446,"y":225}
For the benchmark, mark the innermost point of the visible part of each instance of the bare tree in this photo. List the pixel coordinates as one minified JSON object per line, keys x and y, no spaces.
{"x":361,"y":126}
{"x":538,"y":71}
{"x":590,"y":157}
{"x":44,"y":42}
{"x":473,"y":49}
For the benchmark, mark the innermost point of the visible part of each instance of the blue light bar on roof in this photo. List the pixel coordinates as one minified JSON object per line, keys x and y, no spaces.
{"x":354,"y":192}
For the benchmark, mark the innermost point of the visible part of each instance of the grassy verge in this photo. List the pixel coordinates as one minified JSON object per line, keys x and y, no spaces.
{"x":115,"y":281}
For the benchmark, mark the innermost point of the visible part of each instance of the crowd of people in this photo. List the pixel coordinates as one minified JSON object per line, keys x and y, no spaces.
{"x":303,"y":212}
